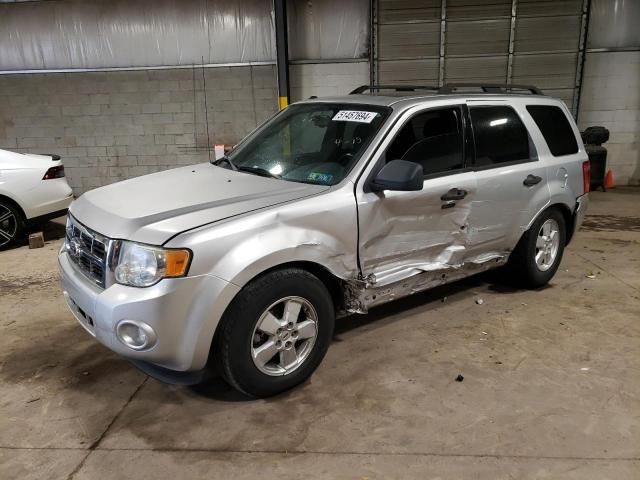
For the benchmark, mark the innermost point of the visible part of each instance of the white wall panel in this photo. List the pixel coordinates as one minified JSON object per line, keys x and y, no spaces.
{"x":614,"y":24}
{"x":328,"y":29}
{"x":77,"y":34}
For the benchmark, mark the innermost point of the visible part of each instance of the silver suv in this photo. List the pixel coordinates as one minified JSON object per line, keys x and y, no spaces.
{"x":331,"y":207}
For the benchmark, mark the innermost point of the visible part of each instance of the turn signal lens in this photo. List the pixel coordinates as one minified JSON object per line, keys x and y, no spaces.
{"x":176,"y":263}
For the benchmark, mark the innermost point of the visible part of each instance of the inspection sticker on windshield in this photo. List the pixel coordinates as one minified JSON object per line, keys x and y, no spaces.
{"x":354,"y":116}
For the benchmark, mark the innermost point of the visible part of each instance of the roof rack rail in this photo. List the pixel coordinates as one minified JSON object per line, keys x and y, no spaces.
{"x":397,"y":88}
{"x":489,"y":88}
{"x":450,"y":88}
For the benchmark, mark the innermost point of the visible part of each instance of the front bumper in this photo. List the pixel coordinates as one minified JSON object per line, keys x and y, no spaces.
{"x":183,"y":312}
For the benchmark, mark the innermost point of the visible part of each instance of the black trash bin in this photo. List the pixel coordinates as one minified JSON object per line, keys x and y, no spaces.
{"x":593,"y":138}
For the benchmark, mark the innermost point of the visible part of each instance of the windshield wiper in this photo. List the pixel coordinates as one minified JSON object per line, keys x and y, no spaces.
{"x":263,"y":172}
{"x":227,"y":160}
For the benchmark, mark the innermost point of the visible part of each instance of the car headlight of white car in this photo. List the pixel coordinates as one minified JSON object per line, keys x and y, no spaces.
{"x":144,"y":265}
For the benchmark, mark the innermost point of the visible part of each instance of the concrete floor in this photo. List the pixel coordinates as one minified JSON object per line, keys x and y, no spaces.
{"x":551,"y":384}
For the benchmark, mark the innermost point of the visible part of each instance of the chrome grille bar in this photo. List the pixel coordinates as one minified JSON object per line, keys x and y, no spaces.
{"x":87,"y":250}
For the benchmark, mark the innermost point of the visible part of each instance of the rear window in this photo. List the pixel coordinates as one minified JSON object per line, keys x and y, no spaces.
{"x":500,"y":136}
{"x":555,"y":128}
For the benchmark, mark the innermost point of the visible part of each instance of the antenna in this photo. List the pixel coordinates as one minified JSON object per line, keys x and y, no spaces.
{"x":206,"y":110}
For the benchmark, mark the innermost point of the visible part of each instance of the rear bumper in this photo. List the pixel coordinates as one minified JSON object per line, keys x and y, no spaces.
{"x":49,"y":216}
{"x":581,"y":210}
{"x":182,"y":312}
{"x":53,"y":196}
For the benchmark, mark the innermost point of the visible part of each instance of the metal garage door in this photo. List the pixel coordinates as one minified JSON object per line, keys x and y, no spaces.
{"x":432,"y":42}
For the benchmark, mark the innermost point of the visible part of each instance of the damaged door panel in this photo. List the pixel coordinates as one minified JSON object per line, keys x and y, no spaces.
{"x":425,"y":233}
{"x":512,"y":182}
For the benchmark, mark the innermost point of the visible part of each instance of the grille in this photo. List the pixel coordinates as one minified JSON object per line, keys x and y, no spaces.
{"x":87,"y":250}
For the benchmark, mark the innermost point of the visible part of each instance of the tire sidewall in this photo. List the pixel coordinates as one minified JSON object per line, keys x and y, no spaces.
{"x":240,"y":322}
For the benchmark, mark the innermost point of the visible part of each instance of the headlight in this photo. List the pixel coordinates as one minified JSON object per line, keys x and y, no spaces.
{"x":143,"y":265}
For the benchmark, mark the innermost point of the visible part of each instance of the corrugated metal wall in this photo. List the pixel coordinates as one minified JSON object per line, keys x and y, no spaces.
{"x":433,"y":42}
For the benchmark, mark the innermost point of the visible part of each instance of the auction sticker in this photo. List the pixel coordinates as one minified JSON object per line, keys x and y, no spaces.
{"x":354,"y":116}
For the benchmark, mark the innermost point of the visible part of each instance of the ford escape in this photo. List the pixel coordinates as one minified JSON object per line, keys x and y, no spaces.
{"x":331,"y":207}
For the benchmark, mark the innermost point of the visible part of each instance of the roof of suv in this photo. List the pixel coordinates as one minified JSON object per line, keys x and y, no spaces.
{"x":410,"y":100}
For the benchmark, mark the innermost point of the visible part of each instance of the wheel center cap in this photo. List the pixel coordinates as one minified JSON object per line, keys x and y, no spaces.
{"x":284,"y":335}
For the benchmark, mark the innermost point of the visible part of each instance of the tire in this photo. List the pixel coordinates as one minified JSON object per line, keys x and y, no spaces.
{"x":529,"y":264}
{"x":11,"y":224}
{"x":247,"y":332}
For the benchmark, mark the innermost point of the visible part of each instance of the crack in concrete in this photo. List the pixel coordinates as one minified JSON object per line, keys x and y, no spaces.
{"x":97,"y":442}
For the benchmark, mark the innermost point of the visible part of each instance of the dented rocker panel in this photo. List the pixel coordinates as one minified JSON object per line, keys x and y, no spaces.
{"x":362,"y":295}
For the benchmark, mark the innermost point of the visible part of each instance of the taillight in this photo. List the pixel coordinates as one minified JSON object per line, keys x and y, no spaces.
{"x":54,"y":172}
{"x":586,"y":177}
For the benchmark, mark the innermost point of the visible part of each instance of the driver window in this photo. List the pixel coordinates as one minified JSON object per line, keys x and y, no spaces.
{"x":433,"y":138}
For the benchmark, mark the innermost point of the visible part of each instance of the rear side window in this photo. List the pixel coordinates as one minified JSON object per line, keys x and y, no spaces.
{"x":555,"y":128}
{"x":500,"y":136}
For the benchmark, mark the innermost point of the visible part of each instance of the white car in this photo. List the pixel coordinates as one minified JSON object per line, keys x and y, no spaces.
{"x":33,"y":188}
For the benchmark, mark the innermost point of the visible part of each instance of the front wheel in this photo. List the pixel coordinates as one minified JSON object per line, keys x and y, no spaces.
{"x":275,"y":332}
{"x":539,"y":253}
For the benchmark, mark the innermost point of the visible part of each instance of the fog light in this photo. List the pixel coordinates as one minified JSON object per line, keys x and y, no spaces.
{"x":136,"y":335}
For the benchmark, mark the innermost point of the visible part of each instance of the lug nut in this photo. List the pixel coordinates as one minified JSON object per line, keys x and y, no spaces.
{"x":290,"y":324}
{"x":279,"y":344}
{"x":287,"y":345}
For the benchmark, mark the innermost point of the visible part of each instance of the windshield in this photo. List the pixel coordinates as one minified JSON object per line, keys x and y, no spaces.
{"x":311,"y":142}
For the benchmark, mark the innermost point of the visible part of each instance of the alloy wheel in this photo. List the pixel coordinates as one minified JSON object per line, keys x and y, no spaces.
{"x":8,"y":225}
{"x":547,"y":244}
{"x":284,"y":336}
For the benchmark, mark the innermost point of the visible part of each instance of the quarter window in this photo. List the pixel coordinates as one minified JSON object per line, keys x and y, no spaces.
{"x":432,"y":139}
{"x":500,"y":136}
{"x":555,"y":129}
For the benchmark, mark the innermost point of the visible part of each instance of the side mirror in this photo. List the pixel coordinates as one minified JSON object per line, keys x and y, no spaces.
{"x":398,"y":175}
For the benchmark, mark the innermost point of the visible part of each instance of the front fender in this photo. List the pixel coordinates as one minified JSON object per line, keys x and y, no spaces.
{"x":321,"y":229}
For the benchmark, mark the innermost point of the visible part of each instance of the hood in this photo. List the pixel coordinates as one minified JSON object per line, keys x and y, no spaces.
{"x":153,"y":208}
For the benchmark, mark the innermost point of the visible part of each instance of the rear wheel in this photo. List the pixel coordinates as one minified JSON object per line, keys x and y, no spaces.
{"x":275,"y":333}
{"x":11,"y":224}
{"x":539,"y":253}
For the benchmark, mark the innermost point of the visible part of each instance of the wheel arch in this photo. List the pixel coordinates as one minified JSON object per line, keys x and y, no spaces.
{"x":569,"y":220}
{"x":567,"y":214}
{"x":11,"y":201}
{"x":333,"y":283}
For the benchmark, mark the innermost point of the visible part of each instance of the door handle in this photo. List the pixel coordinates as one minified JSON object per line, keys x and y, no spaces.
{"x":454,"y":194}
{"x":531,"y":180}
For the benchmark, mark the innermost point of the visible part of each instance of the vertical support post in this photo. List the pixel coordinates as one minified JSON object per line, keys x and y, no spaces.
{"x":373,"y":38}
{"x":443,"y":37}
{"x":512,"y":40}
{"x":282,"y":52}
{"x":584,"y":31}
